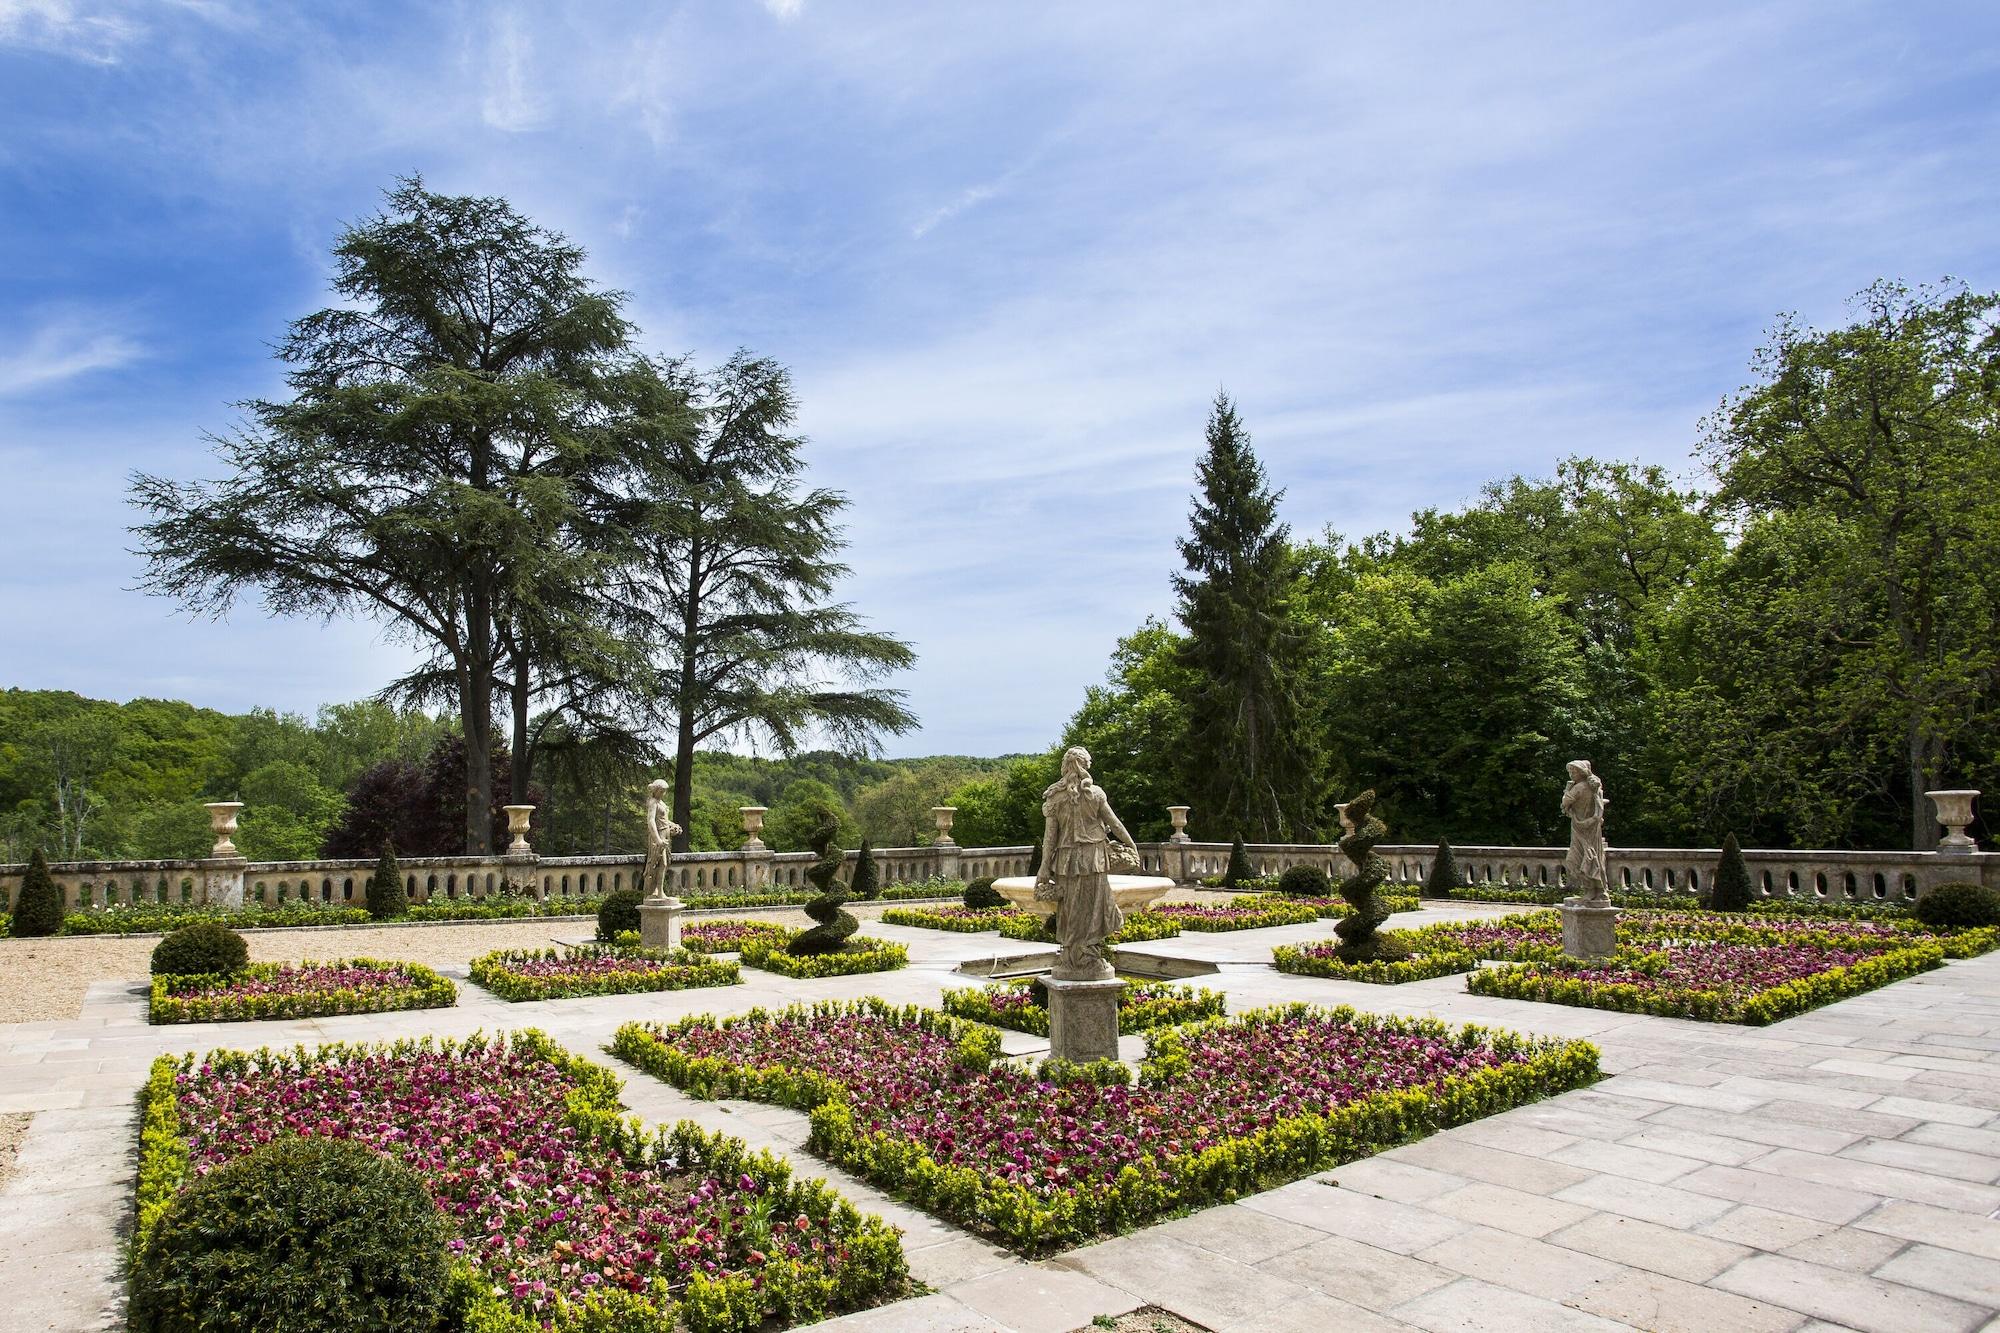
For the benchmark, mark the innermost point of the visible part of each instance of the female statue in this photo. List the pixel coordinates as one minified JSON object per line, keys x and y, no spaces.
{"x":1076,"y":868}
{"x":1583,"y":801}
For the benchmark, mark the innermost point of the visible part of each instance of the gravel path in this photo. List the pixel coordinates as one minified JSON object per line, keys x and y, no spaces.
{"x":43,"y":980}
{"x":13,"y":1128}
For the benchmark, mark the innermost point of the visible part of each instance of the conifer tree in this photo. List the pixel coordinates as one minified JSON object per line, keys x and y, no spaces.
{"x":1444,"y":873}
{"x":866,"y":882}
{"x":387,"y":898}
{"x":1729,"y":891}
{"x":38,"y":907}
{"x":1239,"y":867}
{"x":1248,"y":761}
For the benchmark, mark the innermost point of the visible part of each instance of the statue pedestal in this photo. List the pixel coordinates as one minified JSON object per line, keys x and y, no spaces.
{"x":1589,"y":931}
{"x":1083,"y":1019}
{"x":660,"y":923}
{"x":222,"y":882}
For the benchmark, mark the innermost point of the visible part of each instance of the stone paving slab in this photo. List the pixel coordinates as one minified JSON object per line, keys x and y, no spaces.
{"x":1840,"y":1169}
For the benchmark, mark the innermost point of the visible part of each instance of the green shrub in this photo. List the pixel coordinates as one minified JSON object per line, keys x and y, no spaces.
{"x":205,"y":949}
{"x":1729,"y":890}
{"x":1240,"y":868}
{"x":617,"y":913}
{"x":866,"y":882}
{"x":38,"y":908}
{"x":833,"y":926}
{"x":856,"y":955}
{"x":387,"y":898}
{"x":980,"y":894}
{"x":1357,"y":930}
{"x":302,"y":1233}
{"x":1959,"y":907}
{"x":1444,"y":873}
{"x":1304,"y":882}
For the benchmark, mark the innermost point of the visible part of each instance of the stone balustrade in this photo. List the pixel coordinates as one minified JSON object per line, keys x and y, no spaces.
{"x":230,"y":880}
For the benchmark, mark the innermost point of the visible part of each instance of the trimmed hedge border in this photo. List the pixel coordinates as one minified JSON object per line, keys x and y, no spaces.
{"x":935,"y":919}
{"x":1138,"y":926}
{"x":1187,"y":1004}
{"x":677,"y":970}
{"x":178,"y":999}
{"x":860,"y":955}
{"x":1546,"y":982}
{"x":1256,"y":917}
{"x":789,"y":1291}
{"x":1302,"y":960}
{"x":1286,"y":1150}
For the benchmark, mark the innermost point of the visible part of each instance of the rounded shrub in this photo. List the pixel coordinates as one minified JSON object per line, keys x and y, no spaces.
{"x":38,"y":907}
{"x":299,"y":1234}
{"x":206,"y":948}
{"x":1959,"y":907}
{"x":619,"y":912}
{"x":1304,"y":882}
{"x":981,"y":894}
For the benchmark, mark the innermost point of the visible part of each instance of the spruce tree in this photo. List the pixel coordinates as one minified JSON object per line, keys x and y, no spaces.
{"x":1239,"y":867}
{"x":1729,"y":890}
{"x":38,"y":907}
{"x":1444,"y":873}
{"x":1248,"y":761}
{"x":387,"y":898}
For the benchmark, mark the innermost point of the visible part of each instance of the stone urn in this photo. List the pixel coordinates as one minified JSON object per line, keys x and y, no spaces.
{"x":753,"y":826}
{"x":1132,"y":893}
{"x":1954,"y":811}
{"x":222,"y":823}
{"x":517,"y":824}
{"x":942,"y":815}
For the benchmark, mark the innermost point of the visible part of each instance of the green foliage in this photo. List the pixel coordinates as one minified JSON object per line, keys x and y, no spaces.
{"x":1140,"y":1007}
{"x":387,"y":896}
{"x":299,"y":1233}
{"x":1135,"y":726}
{"x":980,"y":894}
{"x":618,"y":912}
{"x":829,"y":935}
{"x":1240,"y":870}
{"x":857,"y":955}
{"x":1138,"y":926}
{"x":1443,"y":877}
{"x":1387,"y":969}
{"x":866,"y":882}
{"x":164,"y":917}
{"x":195,"y":999}
{"x":206,"y":948}
{"x":1359,"y":941}
{"x":1104,"y":1073}
{"x":1304,"y":882}
{"x":1247,"y":756}
{"x":38,"y":905}
{"x":1959,"y":907}
{"x":805,"y":803}
{"x":981,"y":919}
{"x":1729,"y":885}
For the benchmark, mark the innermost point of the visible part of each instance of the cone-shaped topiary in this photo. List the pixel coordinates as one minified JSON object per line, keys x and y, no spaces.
{"x":1729,"y":890}
{"x":981,"y":894}
{"x":1444,"y":873}
{"x":866,"y":882}
{"x":207,"y":948}
{"x":1358,"y":940}
{"x":387,"y":898}
{"x":618,"y":913}
{"x":1239,"y":868}
{"x":38,"y":907}
{"x":830,"y":935}
{"x":1304,"y":882}
{"x":301,"y":1233}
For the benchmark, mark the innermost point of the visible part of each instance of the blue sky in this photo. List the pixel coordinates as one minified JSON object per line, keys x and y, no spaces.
{"x":1010,"y":251}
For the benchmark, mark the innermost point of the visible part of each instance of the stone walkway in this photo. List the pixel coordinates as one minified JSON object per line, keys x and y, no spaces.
{"x":1838,"y":1170}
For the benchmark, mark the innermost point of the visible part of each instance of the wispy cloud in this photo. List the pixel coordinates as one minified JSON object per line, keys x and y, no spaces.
{"x":94,"y":34}
{"x":784,"y":9}
{"x":514,"y":100}
{"x":967,"y":198}
{"x":61,"y":348}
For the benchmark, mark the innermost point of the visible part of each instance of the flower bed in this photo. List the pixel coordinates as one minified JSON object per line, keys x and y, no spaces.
{"x":1717,"y":982}
{"x":1141,"y":1005}
{"x":1322,"y":959}
{"x":299,"y":990}
{"x":560,"y":974}
{"x":860,"y":954}
{"x":1537,"y":936}
{"x":1146,"y":925}
{"x":730,"y":935}
{"x":1330,"y":907}
{"x":911,"y":1100}
{"x":569,"y":1216}
{"x":957,"y":917}
{"x":147,"y":918}
{"x":1260,"y":913}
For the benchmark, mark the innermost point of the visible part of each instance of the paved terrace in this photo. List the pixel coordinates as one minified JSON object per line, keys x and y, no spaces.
{"x":1837,"y":1170}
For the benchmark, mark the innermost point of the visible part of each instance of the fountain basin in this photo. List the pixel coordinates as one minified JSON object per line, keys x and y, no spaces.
{"x":1130,"y":892}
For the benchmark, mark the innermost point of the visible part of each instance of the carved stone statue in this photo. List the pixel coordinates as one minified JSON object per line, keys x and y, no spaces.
{"x":660,"y":832}
{"x":1077,"y":830}
{"x":1583,"y":801}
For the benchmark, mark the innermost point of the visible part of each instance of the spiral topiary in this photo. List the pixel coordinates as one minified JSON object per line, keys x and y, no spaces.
{"x":1358,"y":940}
{"x":830,"y":935}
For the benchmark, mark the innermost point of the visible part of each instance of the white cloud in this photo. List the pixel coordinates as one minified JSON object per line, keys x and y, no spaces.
{"x":514,"y":100}
{"x":784,"y":9}
{"x":63,"y":347}
{"x":97,"y":35}
{"x":970,"y":198}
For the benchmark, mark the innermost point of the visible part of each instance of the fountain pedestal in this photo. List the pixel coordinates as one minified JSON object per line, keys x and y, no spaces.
{"x":1083,"y":1019}
{"x":1590,"y":930}
{"x":660,"y":923}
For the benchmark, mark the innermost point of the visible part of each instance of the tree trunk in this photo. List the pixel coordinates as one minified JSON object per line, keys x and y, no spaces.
{"x":524,"y":749}
{"x":476,"y":710}
{"x":1923,"y":824}
{"x":684,"y":777}
{"x":683,"y":811}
